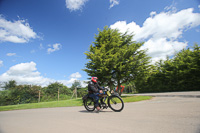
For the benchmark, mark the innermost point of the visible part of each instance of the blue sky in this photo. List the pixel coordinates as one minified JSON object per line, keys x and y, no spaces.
{"x":43,"y":41}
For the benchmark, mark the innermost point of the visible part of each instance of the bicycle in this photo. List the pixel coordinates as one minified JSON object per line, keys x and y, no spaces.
{"x":114,"y":101}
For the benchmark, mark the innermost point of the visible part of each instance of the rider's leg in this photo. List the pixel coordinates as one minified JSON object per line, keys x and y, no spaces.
{"x":96,"y":100}
{"x":101,"y":100}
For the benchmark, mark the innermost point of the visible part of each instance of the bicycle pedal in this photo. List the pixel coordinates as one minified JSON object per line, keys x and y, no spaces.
{"x":105,"y":107}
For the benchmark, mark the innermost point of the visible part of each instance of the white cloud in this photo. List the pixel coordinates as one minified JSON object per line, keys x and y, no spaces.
{"x":68,"y":82}
{"x":114,"y":3}
{"x":24,"y":69}
{"x":72,"y":78}
{"x":26,"y":73}
{"x":75,"y":75}
{"x":161,"y":32}
{"x":160,"y":48}
{"x":11,"y":54}
{"x":152,"y":14}
{"x":1,"y":63}
{"x":123,"y":27}
{"x":168,"y":24}
{"x":55,"y":47}
{"x":16,"y":31}
{"x":74,"y":5}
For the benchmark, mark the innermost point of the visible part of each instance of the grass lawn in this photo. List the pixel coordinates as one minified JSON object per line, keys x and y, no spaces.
{"x":128,"y":99}
{"x":64,"y":103}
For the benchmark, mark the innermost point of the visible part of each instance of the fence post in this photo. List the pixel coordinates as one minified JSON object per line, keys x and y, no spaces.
{"x":76,"y":92}
{"x":39,"y":96}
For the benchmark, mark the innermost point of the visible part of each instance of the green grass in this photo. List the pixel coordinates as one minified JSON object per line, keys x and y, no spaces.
{"x":64,"y":103}
{"x":128,"y":99}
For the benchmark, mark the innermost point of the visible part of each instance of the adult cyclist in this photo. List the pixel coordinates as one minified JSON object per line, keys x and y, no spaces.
{"x":94,"y":91}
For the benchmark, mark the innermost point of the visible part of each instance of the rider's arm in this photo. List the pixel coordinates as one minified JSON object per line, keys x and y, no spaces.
{"x":100,"y":88}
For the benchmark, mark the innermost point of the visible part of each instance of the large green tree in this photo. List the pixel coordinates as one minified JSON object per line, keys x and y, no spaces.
{"x":187,"y":68}
{"x":10,"y":84}
{"x":53,"y":88}
{"x":180,"y":73}
{"x":115,"y":58}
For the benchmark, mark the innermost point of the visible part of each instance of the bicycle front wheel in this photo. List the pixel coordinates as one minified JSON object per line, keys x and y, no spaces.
{"x":115,"y":103}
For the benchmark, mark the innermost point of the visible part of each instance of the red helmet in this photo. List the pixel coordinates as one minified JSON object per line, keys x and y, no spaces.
{"x":94,"y":79}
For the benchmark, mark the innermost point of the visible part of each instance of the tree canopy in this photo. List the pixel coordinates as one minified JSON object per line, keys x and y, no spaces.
{"x":180,"y":73}
{"x":115,"y":59}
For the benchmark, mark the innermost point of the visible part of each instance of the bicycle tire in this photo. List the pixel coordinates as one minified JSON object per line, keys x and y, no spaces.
{"x":89,"y":104}
{"x":116,"y":103}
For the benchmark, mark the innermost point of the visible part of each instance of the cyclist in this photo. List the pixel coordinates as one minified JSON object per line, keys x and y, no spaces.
{"x":94,"y":91}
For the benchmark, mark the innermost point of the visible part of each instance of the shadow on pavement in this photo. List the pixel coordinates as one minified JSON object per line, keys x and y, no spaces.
{"x":101,"y":111}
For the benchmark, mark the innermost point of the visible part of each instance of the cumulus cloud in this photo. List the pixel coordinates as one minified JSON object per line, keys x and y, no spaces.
{"x":122,"y":26}
{"x":74,"y":5}
{"x":75,"y":75}
{"x":11,"y":54}
{"x":54,"y":48}
{"x":26,"y":73}
{"x":16,"y":32}
{"x":168,"y":24}
{"x":160,"y":48}
{"x":72,"y":78}
{"x":161,"y":32}
{"x":152,"y":14}
{"x":114,"y":3}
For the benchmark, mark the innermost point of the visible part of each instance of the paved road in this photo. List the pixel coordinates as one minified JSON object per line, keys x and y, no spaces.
{"x":159,"y":115}
{"x":186,"y":94}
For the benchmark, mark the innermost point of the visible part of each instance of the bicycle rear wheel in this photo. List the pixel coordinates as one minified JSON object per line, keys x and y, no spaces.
{"x":89,"y":104}
{"x":115,"y":103}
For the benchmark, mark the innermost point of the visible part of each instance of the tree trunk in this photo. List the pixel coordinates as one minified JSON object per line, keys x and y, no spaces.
{"x":58,"y":94}
{"x":76,"y":92}
{"x":39,"y":96}
{"x":119,"y":87}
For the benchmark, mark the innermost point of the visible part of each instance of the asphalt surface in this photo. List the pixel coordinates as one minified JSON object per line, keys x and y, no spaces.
{"x":158,"y":115}
{"x":186,"y":94}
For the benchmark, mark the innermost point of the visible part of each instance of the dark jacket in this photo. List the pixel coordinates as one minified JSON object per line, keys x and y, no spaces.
{"x":94,"y":87}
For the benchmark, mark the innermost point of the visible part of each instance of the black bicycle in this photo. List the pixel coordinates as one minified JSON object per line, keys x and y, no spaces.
{"x":111,"y":100}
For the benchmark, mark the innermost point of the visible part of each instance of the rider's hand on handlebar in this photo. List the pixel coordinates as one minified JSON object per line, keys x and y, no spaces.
{"x":100,"y":91}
